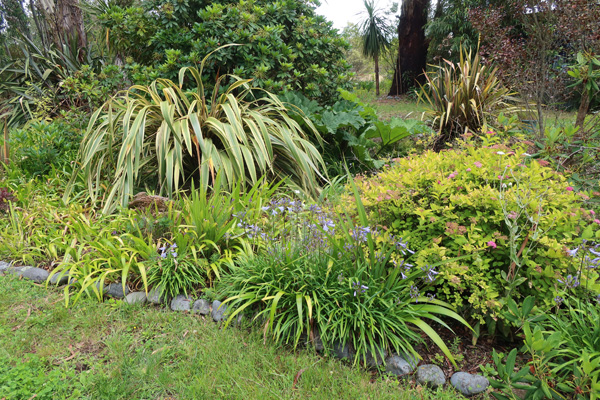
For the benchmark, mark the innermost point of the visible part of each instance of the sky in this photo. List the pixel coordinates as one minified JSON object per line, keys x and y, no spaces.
{"x":343,"y":11}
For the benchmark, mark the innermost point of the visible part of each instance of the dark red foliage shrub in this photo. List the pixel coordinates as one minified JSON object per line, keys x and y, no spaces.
{"x":5,"y":197}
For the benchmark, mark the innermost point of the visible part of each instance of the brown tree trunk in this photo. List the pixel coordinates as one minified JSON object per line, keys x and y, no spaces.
{"x":412,"y":49}
{"x":583,"y":110}
{"x":69,"y":23}
{"x":377,"y":74}
{"x":66,"y":19}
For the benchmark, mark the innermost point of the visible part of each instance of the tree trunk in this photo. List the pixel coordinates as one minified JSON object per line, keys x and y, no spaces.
{"x":69,"y":23}
{"x":66,"y":19}
{"x":412,"y":49}
{"x":377,"y":74}
{"x":583,"y":110}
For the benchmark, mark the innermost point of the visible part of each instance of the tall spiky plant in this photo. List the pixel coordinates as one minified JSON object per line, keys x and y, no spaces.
{"x":155,"y":134}
{"x":375,"y":35}
{"x":464,"y":96}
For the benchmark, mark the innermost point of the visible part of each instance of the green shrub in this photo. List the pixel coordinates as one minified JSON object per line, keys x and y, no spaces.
{"x":286,"y":45}
{"x":351,"y":130}
{"x":41,"y":145}
{"x":515,"y":217}
{"x":563,"y":353}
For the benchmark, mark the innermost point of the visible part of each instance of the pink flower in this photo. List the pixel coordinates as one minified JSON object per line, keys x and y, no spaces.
{"x":597,"y":221}
{"x":592,"y":212}
{"x":452,"y":175}
{"x":500,"y":177}
{"x":492,"y":244}
{"x":478,"y":164}
{"x":468,"y":169}
{"x":570,"y":188}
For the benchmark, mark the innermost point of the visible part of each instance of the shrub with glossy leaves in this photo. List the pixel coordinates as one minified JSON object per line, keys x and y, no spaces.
{"x":286,"y":45}
{"x":515,"y":217}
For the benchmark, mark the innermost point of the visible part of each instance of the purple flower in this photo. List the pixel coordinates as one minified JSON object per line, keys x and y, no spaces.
{"x":558,"y":300}
{"x":430,"y":274}
{"x":414,"y":292}
{"x":570,"y":282}
{"x":359,"y":288}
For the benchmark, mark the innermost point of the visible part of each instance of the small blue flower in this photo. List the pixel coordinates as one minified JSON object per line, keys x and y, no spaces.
{"x":558,"y":300}
{"x":570,"y":281}
{"x":414,"y":292}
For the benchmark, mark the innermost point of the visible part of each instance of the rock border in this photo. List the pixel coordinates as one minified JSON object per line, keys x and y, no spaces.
{"x":401,"y":365}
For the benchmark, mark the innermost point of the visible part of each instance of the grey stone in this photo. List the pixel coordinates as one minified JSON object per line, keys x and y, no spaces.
{"x":342,"y":352}
{"x":430,"y":375}
{"x":318,"y":343}
{"x":156,"y":296}
{"x":59,"y":278}
{"x":181,"y":303}
{"x":218,"y":311}
{"x":37,"y":275}
{"x":136,"y":298}
{"x":4,"y":266}
{"x":116,"y":290}
{"x":400,"y":364}
{"x":469,"y":384}
{"x":201,"y":306}
{"x":375,"y":361}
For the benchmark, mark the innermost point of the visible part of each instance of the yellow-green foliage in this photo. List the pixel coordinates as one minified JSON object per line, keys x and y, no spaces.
{"x":449,"y":204}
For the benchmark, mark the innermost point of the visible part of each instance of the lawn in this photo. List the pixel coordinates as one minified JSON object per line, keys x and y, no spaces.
{"x":116,"y":351}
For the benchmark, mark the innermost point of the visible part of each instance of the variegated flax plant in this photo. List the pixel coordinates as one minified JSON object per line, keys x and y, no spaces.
{"x":163,"y":134}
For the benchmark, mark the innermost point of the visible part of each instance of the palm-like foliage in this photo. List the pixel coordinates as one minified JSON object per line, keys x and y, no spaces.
{"x":375,"y":34}
{"x":163,"y":132}
{"x":464,"y":96}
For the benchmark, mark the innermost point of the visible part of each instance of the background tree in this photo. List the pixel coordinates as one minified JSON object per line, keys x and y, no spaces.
{"x":450,"y":29}
{"x":412,"y":46}
{"x":65,"y":18}
{"x":375,"y":34}
{"x":285,"y":45}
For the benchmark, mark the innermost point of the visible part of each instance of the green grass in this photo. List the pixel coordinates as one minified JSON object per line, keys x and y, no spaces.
{"x":115,"y":351}
{"x":386,"y":109}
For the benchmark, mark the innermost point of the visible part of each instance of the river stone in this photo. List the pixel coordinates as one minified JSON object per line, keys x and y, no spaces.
{"x":374,"y":362}
{"x":136,"y":298}
{"x":342,"y":352}
{"x":318,"y":343}
{"x":430,"y":375}
{"x":156,"y":296}
{"x":4,"y":266}
{"x":116,"y":290}
{"x":37,"y":275}
{"x":469,"y":384}
{"x":59,"y":278}
{"x":181,"y":303}
{"x":201,"y":306}
{"x":218,"y":311}
{"x":400,"y":364}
